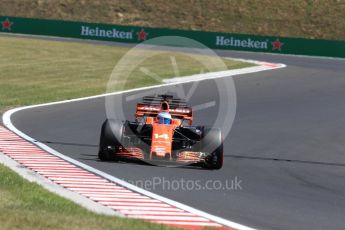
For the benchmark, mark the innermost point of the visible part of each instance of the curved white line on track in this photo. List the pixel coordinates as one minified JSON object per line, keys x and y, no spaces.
{"x":164,"y":205}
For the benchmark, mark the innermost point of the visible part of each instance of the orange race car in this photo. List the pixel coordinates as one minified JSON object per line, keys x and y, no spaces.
{"x":162,"y":132}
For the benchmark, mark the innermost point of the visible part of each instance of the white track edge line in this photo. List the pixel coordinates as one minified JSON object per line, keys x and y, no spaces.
{"x":126,"y":184}
{"x":8,"y":123}
{"x":247,"y":70}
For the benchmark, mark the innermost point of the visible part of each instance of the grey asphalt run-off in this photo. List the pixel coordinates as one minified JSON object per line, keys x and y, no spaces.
{"x":286,"y":146}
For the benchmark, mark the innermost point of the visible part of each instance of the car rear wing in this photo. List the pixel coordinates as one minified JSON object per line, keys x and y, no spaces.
{"x":157,"y":100}
{"x":183,"y":113}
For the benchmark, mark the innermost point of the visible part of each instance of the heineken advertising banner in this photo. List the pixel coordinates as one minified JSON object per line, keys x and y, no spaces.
{"x":133,"y":34}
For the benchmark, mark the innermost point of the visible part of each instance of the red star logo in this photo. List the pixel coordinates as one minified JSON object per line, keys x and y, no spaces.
{"x":6,"y":25}
{"x":142,"y":35}
{"x":277,"y":45}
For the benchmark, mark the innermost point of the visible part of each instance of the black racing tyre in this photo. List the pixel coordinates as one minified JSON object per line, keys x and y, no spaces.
{"x":212,"y":143}
{"x":110,"y":140}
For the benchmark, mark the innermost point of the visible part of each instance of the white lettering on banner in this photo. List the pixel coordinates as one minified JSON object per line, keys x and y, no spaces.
{"x":113,"y":33}
{"x":245,"y":43}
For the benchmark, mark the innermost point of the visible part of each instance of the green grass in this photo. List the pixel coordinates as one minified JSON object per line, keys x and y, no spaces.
{"x":25,"y":205}
{"x":36,"y":71}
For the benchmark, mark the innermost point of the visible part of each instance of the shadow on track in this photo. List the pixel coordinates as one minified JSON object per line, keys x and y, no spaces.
{"x":284,"y":160}
{"x":225,"y":156}
{"x":67,"y":143}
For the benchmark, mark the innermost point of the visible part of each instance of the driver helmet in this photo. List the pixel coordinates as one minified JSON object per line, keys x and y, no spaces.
{"x":164,"y":118}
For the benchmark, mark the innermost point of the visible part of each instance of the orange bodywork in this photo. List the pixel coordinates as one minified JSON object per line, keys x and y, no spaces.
{"x":162,"y":134}
{"x":186,"y":156}
{"x":162,"y":137}
{"x":131,"y":152}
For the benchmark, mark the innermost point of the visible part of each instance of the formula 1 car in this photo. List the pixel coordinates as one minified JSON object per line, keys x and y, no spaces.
{"x":149,"y":140}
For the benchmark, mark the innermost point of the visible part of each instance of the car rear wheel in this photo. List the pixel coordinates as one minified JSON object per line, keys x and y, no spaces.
{"x":212,"y":143}
{"x":111,"y":134}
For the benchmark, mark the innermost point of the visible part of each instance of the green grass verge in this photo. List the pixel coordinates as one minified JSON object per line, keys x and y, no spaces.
{"x":25,"y":205}
{"x":36,"y":71}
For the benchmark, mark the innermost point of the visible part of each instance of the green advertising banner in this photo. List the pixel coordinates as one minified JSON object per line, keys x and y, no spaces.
{"x":133,"y":34}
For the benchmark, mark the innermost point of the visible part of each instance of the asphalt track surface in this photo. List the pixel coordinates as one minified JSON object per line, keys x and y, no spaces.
{"x":286,"y":145}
